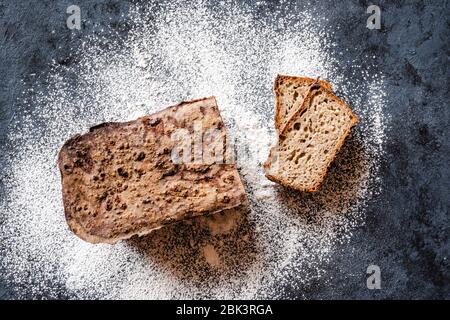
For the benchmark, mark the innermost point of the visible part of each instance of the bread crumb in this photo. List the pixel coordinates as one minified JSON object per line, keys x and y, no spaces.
{"x":211,"y":255}
{"x":223,"y":222}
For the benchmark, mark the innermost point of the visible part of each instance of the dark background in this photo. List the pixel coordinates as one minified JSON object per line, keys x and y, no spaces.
{"x":407,"y":227}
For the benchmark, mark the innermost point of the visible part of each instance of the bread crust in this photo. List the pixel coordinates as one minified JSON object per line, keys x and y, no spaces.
{"x":306,"y":104}
{"x":300,"y":80}
{"x":83,"y":158}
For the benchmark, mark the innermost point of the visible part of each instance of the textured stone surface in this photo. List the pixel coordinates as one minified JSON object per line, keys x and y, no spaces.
{"x":407,"y":229}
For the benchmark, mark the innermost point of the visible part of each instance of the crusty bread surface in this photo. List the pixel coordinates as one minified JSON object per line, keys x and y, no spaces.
{"x":120,"y":180}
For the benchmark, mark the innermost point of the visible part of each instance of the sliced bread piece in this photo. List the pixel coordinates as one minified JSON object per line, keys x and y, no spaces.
{"x":120,"y":180}
{"x":289,"y":94}
{"x":310,"y":141}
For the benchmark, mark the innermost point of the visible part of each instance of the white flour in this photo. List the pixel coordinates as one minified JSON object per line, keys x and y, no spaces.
{"x":184,"y":52}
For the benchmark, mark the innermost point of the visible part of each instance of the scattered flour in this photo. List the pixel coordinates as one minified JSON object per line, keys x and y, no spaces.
{"x":175,"y":52}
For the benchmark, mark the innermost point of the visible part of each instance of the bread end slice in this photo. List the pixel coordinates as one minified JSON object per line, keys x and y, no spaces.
{"x":310,"y":141}
{"x":289,"y":94}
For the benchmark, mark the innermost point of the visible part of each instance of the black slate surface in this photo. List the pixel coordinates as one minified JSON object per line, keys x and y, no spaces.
{"x":407,"y":228}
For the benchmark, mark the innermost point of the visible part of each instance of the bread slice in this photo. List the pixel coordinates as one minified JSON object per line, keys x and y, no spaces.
{"x":310,"y":141}
{"x":289,"y":94}
{"x":120,"y":180}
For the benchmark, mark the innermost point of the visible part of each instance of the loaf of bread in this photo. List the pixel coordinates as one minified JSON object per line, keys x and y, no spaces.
{"x":120,"y":179}
{"x":310,"y":140}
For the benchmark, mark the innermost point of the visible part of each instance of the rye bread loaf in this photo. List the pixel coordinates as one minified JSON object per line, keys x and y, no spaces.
{"x":310,"y":140}
{"x":289,"y":94}
{"x":120,"y":180}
